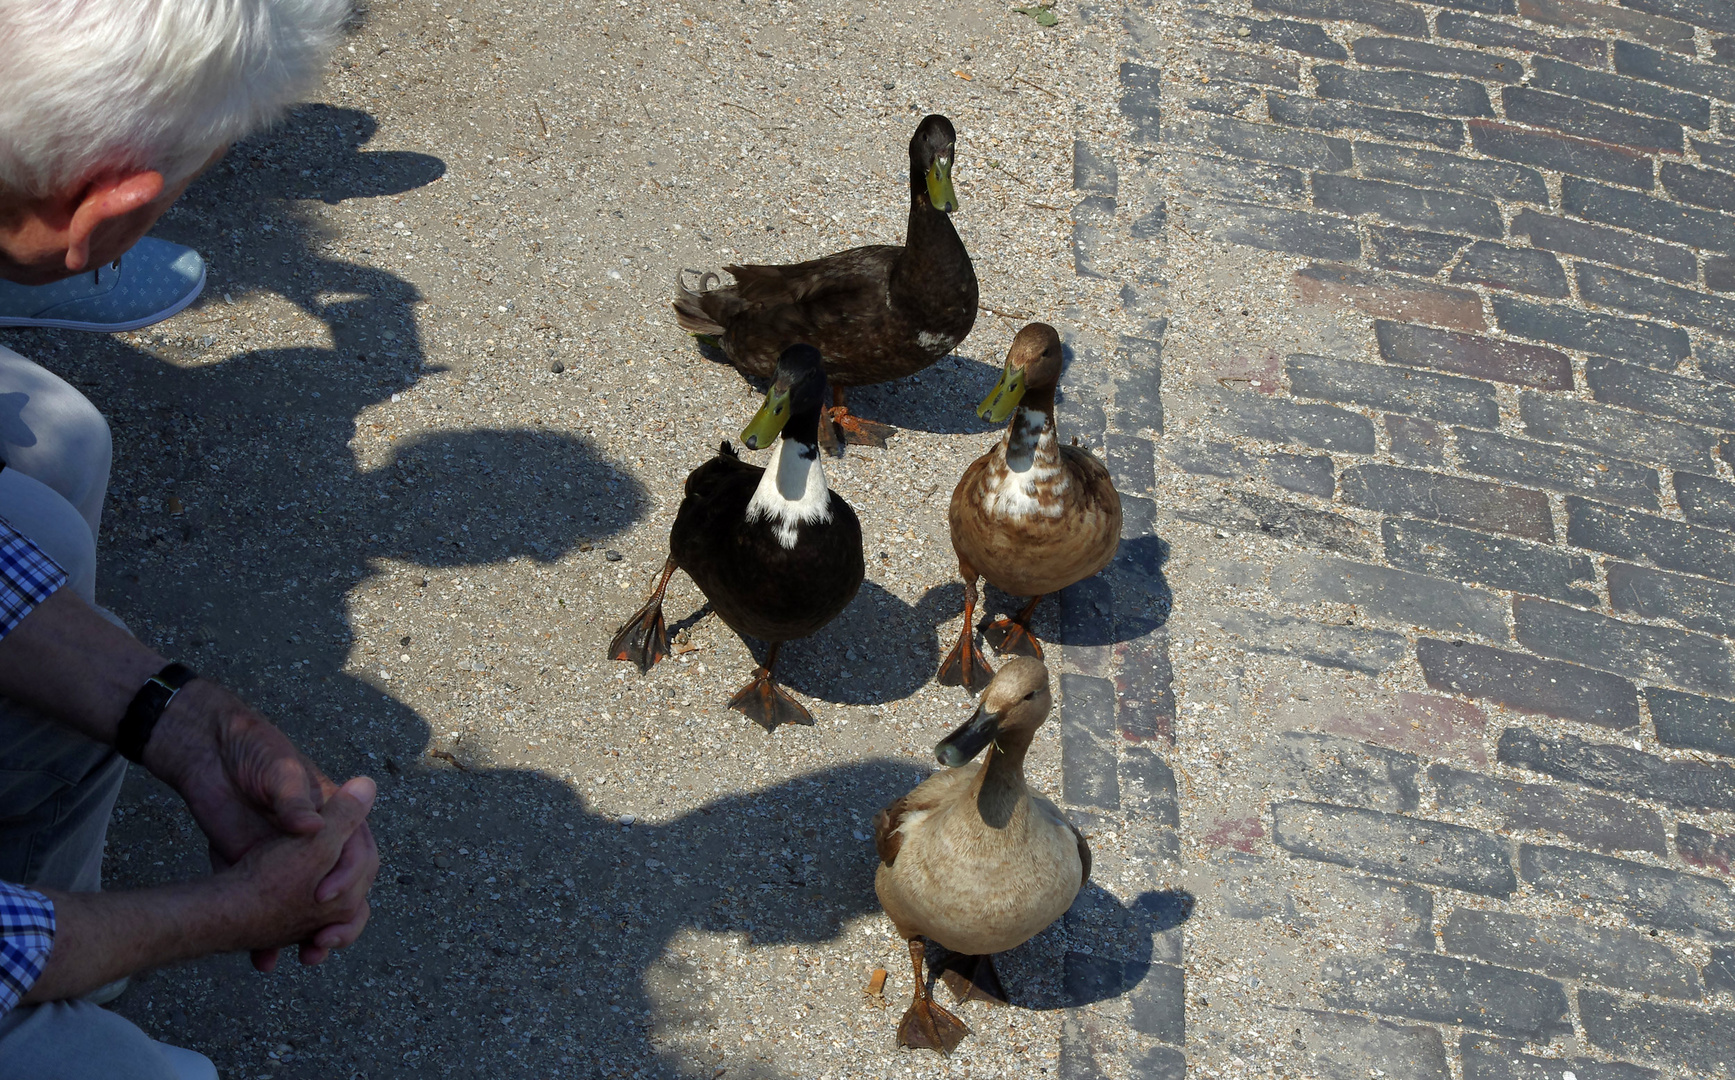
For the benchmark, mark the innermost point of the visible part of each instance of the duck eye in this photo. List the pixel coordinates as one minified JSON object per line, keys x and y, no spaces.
{"x":1030,"y":695}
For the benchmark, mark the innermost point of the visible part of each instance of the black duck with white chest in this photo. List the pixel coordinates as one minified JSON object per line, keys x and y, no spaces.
{"x":876,"y":313}
{"x":775,"y":551}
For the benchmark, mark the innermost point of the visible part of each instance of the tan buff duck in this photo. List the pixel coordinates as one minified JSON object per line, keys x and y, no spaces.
{"x":972,"y":859}
{"x":1030,"y":515}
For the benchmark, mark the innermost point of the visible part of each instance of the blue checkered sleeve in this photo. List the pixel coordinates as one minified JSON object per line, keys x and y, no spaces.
{"x":26,"y":939}
{"x":27,"y":577}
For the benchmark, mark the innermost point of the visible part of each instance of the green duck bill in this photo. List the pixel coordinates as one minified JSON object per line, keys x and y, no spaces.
{"x":769,"y":421}
{"x":971,"y":737}
{"x":1004,"y":398}
{"x":940,"y":193}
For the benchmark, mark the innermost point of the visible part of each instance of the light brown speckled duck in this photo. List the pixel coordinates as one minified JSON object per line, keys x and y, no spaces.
{"x":972,"y":859}
{"x":1031,"y":515}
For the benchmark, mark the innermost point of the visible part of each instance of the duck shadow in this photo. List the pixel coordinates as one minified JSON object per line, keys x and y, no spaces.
{"x":880,"y":649}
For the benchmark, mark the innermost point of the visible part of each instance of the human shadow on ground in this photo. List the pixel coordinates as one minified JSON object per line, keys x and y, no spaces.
{"x":332,"y":165}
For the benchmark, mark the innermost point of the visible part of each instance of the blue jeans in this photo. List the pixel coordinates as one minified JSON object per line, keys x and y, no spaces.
{"x":57,"y":788}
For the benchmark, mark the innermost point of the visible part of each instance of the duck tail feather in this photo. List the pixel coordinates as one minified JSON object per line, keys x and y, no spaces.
{"x":689,"y":304}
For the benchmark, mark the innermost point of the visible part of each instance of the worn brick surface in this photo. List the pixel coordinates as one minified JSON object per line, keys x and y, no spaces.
{"x":1239,"y":179}
{"x":1470,"y":354}
{"x":1310,"y":474}
{"x":1605,"y":245}
{"x":1350,"y":648}
{"x":1527,"y":684}
{"x":1720,"y":972}
{"x":1597,"y":821}
{"x":1324,"y":426}
{"x":1701,"y":1039}
{"x":1140,"y":88}
{"x":1298,"y":232}
{"x":1644,"y":390}
{"x":1706,"y":500}
{"x":1659,"y":654}
{"x":1429,"y":207}
{"x":1561,"y":153}
{"x":1487,"y":1058}
{"x":1144,"y":689}
{"x":1667,"y":899}
{"x":1648,"y":343}
{"x":1394,"y":595}
{"x":1245,"y":511}
{"x":1389,"y":297}
{"x":1647,"y":214}
{"x":1657,"y":594}
{"x":1414,"y":251}
{"x":1586,"y":15}
{"x":1390,"y":845}
{"x":1704,"y":848}
{"x":1087,"y":754}
{"x":1523,"y":270}
{"x":1617,"y":432}
{"x":1441,"y":59}
{"x":1558,"y":468}
{"x":1449,"y":398}
{"x":1346,"y":771}
{"x":1262,"y":142}
{"x":1620,"y":768}
{"x":1691,"y":549}
{"x":1694,"y":723}
{"x":1416,"y":441}
{"x":1351,"y":905}
{"x":1339,"y":1044}
{"x":1430,"y":169}
{"x":1453,"y":500}
{"x":1571,"y":948}
{"x":1573,"y":116}
{"x":1644,"y":296}
{"x":1447,"y":990}
{"x":1350,"y":116}
{"x":1639,"y":61}
{"x":1485,"y":559}
{"x":1426,"y":724}
{"x":1305,"y":38}
{"x":1392,"y":17}
{"x":1473,"y":28}
{"x":1631,"y":94}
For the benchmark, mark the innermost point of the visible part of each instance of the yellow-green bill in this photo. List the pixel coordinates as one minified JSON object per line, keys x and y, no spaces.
{"x":1004,"y":398}
{"x":940,"y":193}
{"x":768,"y":422}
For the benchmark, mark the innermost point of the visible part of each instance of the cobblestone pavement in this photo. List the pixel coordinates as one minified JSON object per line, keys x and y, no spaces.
{"x":1402,"y":725}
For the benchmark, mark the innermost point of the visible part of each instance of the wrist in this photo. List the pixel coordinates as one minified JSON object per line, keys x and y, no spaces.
{"x":188,"y":730}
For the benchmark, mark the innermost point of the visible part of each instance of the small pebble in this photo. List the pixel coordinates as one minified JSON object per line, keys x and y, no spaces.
{"x":628,"y":819}
{"x":557,"y":367}
{"x":612,"y":555}
{"x":444,"y":862}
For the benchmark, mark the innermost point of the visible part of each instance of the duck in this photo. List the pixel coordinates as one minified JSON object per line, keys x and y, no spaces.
{"x":777,"y":553}
{"x":877,"y":313}
{"x":972,"y":859}
{"x":1031,"y":515}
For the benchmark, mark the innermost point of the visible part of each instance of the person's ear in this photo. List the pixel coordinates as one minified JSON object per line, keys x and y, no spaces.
{"x":105,"y":200}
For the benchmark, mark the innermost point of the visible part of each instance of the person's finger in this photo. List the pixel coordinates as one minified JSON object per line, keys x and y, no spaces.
{"x":343,"y":935}
{"x":349,"y":805}
{"x":292,"y":795}
{"x":311,"y":955}
{"x":264,"y":961}
{"x":359,"y":858}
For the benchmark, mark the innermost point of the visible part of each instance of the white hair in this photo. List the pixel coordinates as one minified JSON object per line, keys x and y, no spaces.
{"x":88,"y":86}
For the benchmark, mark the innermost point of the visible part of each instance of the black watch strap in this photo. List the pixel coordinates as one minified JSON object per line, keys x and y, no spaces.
{"x":147,"y":707}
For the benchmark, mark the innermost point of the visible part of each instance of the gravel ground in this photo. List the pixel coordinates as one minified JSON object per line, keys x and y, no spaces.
{"x":411,"y":459}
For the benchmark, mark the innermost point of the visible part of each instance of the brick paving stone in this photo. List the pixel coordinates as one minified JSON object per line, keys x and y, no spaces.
{"x":1245,"y":511}
{"x":1349,"y":648}
{"x":1391,"y":17}
{"x":1718,"y":155}
{"x":1606,"y":245}
{"x":1238,"y":179}
{"x":1241,"y":67}
{"x":1346,"y":771}
{"x":1220,"y":98}
{"x":1644,"y":296}
{"x":1395,"y":595}
{"x":1093,"y":170}
{"x":1704,"y":848}
{"x":1404,"y":90}
{"x":1088,"y":776}
{"x":1419,"y":723}
{"x":1580,"y":50}
{"x":1493,"y":561}
{"x":1701,"y":187}
{"x":1572,"y":116}
{"x":1131,"y":462}
{"x":1412,"y":251}
{"x":1587,"y":15}
{"x":1488,"y":1058}
{"x":1655,"y":653}
{"x":1144,"y":689}
{"x":1158,"y":1004}
{"x":1148,"y":788}
{"x":1140,"y":88}
{"x":1349,"y":116}
{"x":1647,"y":214}
{"x":1440,"y":59}
{"x":1648,"y":343}
{"x":1469,"y":354}
{"x":1641,"y":62}
{"x":1645,"y":390}
{"x":1698,"y":1038}
{"x":1213,"y":459}
{"x":1621,"y":92}
{"x":1720,"y":273}
{"x":1305,"y":38}
{"x":1339,"y":1044}
{"x":1616,"y":432}
{"x":1092,"y":222}
{"x":1436,"y":497}
{"x":1257,"y":887}
{"x":1712,"y":14}
{"x":1597,"y":821}
{"x":1447,"y":990}
{"x":1449,"y":398}
{"x":1416,"y":441}
{"x":1413,"y":849}
{"x":1307,"y":474}
{"x":1656,"y":594}
{"x":1620,"y":768}
{"x":1720,"y":972}
{"x":1297,"y":232}
{"x":1428,"y":168}
{"x":1262,"y":142}
{"x":1434,"y":207}
{"x":1666,"y":899}
{"x":1527,"y":684}
{"x":1324,"y":426}
{"x":1524,"y":270}
{"x":1573,"y":949}
{"x":1138,"y":396}
{"x":1706,"y":500}
{"x":1391,"y":297}
{"x":1693,"y":723}
{"x":1557,"y":468}
{"x":1691,"y":549}
{"x":1562,"y":153}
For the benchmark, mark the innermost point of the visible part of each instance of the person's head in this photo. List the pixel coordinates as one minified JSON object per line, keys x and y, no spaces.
{"x":110,"y":108}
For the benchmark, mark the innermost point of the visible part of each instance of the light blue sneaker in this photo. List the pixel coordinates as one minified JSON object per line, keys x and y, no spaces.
{"x":148,"y":284}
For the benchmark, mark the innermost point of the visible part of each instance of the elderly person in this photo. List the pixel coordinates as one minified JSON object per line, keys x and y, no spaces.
{"x":110,"y":108}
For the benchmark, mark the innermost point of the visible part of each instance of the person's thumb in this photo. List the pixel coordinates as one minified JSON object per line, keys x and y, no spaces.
{"x":349,"y":804}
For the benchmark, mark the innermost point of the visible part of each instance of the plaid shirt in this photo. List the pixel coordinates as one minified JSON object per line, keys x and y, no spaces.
{"x":27,"y":578}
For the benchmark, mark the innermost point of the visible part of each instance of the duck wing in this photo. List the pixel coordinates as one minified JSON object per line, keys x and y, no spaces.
{"x":857,"y":270}
{"x":1083,"y":854}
